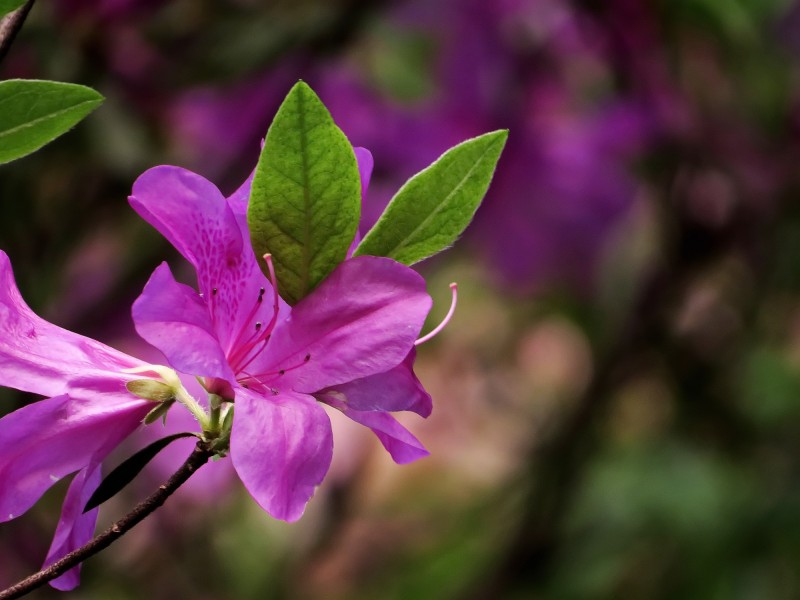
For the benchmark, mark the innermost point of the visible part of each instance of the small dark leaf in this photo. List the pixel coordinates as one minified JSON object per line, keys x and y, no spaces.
{"x":159,"y":412}
{"x":124,"y":473}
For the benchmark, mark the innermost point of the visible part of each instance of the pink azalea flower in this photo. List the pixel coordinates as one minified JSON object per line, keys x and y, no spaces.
{"x":88,"y":412}
{"x":349,"y":344}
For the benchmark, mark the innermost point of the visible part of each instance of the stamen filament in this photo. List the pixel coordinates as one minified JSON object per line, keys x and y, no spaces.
{"x":445,"y":321}
{"x":279,"y":372}
{"x":275,"y":302}
{"x":244,"y":354}
{"x":253,"y":311}
{"x":248,"y":350}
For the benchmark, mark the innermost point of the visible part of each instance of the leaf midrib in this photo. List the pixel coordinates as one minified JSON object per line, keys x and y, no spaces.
{"x":47,"y":117}
{"x":306,"y":199}
{"x":439,"y":208}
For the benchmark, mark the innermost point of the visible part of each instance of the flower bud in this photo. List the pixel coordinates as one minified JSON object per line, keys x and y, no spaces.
{"x":150,"y":389}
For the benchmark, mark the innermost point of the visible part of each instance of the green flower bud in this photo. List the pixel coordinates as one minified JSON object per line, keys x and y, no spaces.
{"x":150,"y":389}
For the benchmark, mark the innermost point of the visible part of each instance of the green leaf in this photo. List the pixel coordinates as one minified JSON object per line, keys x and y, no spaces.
{"x":435,"y":206}
{"x":305,"y":201}
{"x":126,"y":471}
{"x":34,"y":112}
{"x":7,"y":6}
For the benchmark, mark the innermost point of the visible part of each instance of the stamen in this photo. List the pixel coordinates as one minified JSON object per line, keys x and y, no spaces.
{"x":260,"y":344}
{"x":279,"y":372}
{"x":251,"y":340}
{"x":245,"y":355}
{"x":274,"y":281}
{"x":241,"y":346}
{"x":445,"y":321}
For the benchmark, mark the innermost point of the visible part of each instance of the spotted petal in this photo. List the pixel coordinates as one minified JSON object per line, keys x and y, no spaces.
{"x":195,"y":217}
{"x":173,"y":318}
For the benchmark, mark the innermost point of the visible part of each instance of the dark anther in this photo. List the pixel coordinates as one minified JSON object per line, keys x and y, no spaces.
{"x":258,"y":325}
{"x":213,"y":291}
{"x":307,"y":358}
{"x":281,"y":372}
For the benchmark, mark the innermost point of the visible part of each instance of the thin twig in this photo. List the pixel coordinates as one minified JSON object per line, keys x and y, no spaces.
{"x":10,"y":26}
{"x":197,"y":459}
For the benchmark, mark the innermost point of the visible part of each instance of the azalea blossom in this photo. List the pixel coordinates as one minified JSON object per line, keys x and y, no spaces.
{"x":87,"y":413}
{"x":349,"y":344}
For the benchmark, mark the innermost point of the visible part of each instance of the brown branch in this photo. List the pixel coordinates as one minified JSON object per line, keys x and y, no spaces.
{"x":10,"y":26}
{"x":197,"y":459}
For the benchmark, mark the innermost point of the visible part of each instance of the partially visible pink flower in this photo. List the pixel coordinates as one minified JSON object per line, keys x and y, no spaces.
{"x":350,"y":343}
{"x":88,"y":412}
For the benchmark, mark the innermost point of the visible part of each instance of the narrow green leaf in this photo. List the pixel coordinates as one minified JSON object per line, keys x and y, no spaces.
{"x":305,"y":201}
{"x":7,"y":6}
{"x":435,"y":206}
{"x":34,"y":112}
{"x":126,"y":471}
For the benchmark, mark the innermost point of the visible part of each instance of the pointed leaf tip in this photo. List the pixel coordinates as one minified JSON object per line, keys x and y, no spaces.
{"x":434,"y":207}
{"x":305,"y":201}
{"x":33,"y":113}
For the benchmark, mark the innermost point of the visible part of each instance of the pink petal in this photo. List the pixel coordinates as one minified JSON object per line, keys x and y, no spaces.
{"x":281,"y":447}
{"x":361,"y":321}
{"x":75,"y":528}
{"x":194,"y":216}
{"x":190,"y":212}
{"x":47,"y":440}
{"x":239,"y":200}
{"x":396,"y":389}
{"x":39,"y":357}
{"x":175,"y":319}
{"x":398,"y":441}
{"x":365,"y":164}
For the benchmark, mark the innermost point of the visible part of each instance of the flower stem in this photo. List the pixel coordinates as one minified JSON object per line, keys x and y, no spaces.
{"x":197,"y":459}
{"x":185,"y":398}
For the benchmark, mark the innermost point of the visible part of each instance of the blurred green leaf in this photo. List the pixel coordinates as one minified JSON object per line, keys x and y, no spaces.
{"x":402,"y":63}
{"x":305,"y":201}
{"x":33,"y":113}
{"x":770,"y":388}
{"x":435,"y":206}
{"x":7,"y":6}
